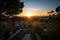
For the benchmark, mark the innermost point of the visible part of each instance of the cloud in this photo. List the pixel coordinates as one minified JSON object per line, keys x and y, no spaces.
{"x":31,"y":9}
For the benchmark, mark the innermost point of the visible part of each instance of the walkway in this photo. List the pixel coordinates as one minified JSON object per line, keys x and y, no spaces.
{"x":27,"y":37}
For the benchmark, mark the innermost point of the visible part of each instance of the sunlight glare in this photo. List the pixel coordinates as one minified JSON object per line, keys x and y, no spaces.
{"x":28,"y":14}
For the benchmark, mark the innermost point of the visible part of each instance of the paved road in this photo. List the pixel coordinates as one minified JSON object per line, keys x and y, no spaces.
{"x":27,"y":37}
{"x":38,"y":37}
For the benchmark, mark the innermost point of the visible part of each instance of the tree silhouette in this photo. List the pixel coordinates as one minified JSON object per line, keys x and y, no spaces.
{"x":53,"y":28}
{"x":58,"y":9}
{"x":11,"y":7}
{"x":50,"y":12}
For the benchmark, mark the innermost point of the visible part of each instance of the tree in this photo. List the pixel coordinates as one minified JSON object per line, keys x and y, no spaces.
{"x":53,"y":28}
{"x":58,"y":9}
{"x":50,"y":12}
{"x":11,"y":7}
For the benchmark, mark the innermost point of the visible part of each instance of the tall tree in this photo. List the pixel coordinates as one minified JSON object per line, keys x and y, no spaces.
{"x":53,"y":29}
{"x":11,"y":7}
{"x":58,"y":9}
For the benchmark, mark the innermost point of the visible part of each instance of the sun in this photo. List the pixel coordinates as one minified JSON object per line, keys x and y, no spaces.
{"x":28,"y":14}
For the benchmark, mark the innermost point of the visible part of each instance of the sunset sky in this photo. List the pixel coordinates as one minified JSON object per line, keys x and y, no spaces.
{"x":39,"y":7}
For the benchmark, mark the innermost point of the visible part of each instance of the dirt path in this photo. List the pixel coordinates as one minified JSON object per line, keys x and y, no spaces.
{"x":27,"y":37}
{"x":38,"y":37}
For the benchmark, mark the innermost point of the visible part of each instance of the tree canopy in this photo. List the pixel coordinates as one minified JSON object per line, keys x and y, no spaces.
{"x":58,"y":9}
{"x":11,"y":7}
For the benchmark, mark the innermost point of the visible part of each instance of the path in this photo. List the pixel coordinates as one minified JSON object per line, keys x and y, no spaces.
{"x":38,"y":37}
{"x":27,"y":37}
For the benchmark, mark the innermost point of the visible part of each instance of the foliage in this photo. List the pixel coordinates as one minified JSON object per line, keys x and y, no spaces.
{"x":58,"y":9}
{"x":8,"y":8}
{"x":11,"y":7}
{"x":53,"y":27}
